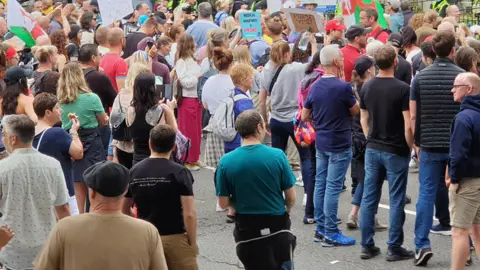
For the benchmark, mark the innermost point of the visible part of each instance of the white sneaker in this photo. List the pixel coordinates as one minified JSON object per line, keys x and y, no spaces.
{"x":299,"y":181}
{"x":219,"y":209}
{"x":304,"y":201}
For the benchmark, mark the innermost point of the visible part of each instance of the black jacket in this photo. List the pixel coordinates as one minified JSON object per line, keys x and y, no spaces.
{"x":435,"y":106}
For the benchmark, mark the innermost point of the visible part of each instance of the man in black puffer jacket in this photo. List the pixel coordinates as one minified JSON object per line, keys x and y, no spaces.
{"x":433,"y":111}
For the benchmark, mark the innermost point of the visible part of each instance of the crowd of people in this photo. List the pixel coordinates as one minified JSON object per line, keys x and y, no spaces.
{"x":102,"y":127}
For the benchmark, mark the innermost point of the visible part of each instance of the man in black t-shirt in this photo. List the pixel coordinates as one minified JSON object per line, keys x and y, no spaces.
{"x":385,"y":120}
{"x":163,"y":194}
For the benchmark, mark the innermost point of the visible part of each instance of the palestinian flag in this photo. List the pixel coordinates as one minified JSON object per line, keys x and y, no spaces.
{"x":350,"y":10}
{"x":21,"y":24}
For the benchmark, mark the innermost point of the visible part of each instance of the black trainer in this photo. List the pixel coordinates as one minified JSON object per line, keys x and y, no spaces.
{"x":422,"y":256}
{"x":369,"y":252}
{"x":399,"y":254}
{"x":408,"y":200}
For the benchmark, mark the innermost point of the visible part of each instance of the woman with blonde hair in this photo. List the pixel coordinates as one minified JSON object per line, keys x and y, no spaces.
{"x":47,"y":58}
{"x":228,"y":24}
{"x":215,"y":38}
{"x":123,"y":150}
{"x":241,"y":55}
{"x":416,"y":21}
{"x":76,"y":98}
{"x":189,"y":106}
{"x":157,"y":68}
{"x":223,"y":7}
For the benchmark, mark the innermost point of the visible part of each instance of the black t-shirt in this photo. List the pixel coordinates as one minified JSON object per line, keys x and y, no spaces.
{"x":132,"y":41}
{"x":385,"y":99}
{"x":101,"y":85}
{"x":156,"y":185}
{"x":403,"y":72}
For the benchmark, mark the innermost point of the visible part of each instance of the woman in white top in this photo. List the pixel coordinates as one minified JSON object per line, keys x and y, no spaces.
{"x":409,"y":43}
{"x":216,"y":89}
{"x":189,"y":107}
{"x":123,"y":150}
{"x":175,"y":32}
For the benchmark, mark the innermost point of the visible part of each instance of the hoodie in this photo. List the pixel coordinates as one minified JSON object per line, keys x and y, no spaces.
{"x":465,"y":141}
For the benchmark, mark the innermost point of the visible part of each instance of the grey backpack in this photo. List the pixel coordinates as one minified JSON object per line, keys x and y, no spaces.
{"x":224,"y":118}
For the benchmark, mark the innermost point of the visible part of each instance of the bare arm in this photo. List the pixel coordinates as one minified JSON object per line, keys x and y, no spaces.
{"x":263,"y":104}
{"x":408,"y":130}
{"x":62,"y":211}
{"x":102,"y":119}
{"x":120,"y":82}
{"x":224,"y":201}
{"x":355,"y":110}
{"x":364,"y":118}
{"x":306,"y":114}
{"x":127,"y":206}
{"x":413,"y":114}
{"x":170,"y":117}
{"x":30,"y":112}
{"x":190,"y":219}
{"x":290,"y":197}
{"x":61,"y":62}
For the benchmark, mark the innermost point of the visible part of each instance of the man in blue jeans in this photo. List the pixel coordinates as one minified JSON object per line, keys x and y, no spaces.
{"x":431,"y":100}
{"x":385,"y":119}
{"x":331,"y":104}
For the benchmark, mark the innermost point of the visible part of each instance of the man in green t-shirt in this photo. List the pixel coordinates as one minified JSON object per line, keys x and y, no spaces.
{"x":253,"y":179}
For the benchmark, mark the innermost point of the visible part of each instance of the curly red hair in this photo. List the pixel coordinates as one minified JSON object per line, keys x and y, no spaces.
{"x":59,"y":40}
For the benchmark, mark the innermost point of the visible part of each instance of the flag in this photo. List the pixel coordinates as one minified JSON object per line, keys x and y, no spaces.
{"x":21,"y":24}
{"x":350,"y":10}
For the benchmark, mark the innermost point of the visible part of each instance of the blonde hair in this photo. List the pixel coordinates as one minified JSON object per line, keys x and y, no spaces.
{"x":221,"y":4}
{"x":241,"y":73}
{"x":216,"y":38}
{"x":138,"y":57}
{"x":241,"y":54}
{"x":279,"y":49}
{"x":43,"y":53}
{"x":416,"y":21}
{"x":133,"y":71}
{"x":185,"y":47}
{"x":430,"y":16}
{"x":228,"y":24}
{"x":71,"y":83}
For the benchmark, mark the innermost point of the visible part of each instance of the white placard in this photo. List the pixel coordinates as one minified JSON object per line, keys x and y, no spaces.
{"x":113,"y":10}
{"x":300,"y":19}
{"x":274,"y":5}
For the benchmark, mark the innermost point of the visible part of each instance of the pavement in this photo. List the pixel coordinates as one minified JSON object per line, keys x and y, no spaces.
{"x":217,"y":247}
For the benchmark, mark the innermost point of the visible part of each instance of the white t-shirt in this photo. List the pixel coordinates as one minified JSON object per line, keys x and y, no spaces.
{"x":215,"y":90}
{"x":412,"y":54}
{"x":31,"y":185}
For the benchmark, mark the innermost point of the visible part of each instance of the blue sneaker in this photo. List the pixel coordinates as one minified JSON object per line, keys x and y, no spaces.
{"x":318,"y":237}
{"x":308,"y":221}
{"x":338,"y":239}
{"x":441,"y":229}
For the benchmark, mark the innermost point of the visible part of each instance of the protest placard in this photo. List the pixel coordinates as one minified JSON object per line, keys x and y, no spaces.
{"x":113,"y":10}
{"x":274,"y":5}
{"x":251,"y":26}
{"x":301,"y":20}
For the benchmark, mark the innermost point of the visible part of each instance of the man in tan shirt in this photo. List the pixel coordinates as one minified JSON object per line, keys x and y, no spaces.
{"x":104,"y":238}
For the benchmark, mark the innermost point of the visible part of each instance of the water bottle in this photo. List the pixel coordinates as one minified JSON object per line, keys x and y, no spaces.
{"x":304,"y":40}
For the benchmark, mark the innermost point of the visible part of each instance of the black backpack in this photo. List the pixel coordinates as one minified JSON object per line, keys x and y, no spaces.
{"x":120,"y":130}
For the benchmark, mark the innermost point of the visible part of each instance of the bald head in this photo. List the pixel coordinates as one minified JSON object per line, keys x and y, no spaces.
{"x":43,"y":40}
{"x":453,"y":11}
{"x":446,"y":26}
{"x":467,"y":84}
{"x":101,"y":36}
{"x":44,"y":23}
{"x":115,"y":37}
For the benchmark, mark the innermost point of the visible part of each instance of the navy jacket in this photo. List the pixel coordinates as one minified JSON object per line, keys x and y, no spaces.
{"x":465,"y":141}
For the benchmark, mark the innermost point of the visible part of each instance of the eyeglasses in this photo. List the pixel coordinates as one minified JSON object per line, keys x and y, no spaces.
{"x":461,"y":85}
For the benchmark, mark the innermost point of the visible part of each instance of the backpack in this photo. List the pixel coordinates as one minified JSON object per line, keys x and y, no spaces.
{"x":381,"y":31}
{"x":219,"y":17}
{"x":203,"y":78}
{"x":224,"y":118}
{"x":35,"y":86}
{"x":120,"y":130}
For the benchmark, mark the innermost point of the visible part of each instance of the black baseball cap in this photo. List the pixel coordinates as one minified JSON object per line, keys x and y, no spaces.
{"x":396,"y":39}
{"x":362,"y":64}
{"x":108,"y":178}
{"x":355,"y":31}
{"x":160,"y":17}
{"x":15,"y":74}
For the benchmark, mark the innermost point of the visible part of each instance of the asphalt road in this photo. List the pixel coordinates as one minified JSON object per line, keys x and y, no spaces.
{"x":217,"y":247}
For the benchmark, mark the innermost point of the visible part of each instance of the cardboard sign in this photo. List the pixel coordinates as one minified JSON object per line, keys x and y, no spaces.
{"x":251,"y":26}
{"x":113,"y":10}
{"x":274,"y":5}
{"x":301,"y":20}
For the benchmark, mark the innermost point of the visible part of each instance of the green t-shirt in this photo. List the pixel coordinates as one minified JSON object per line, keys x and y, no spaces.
{"x":255,"y":177}
{"x":87,"y":106}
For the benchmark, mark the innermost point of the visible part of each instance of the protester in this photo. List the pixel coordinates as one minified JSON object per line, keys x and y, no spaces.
{"x":149,"y":57}
{"x":59,"y":40}
{"x":47,"y":58}
{"x":409,"y":43}
{"x":167,"y":201}
{"x":15,"y":99}
{"x":77,"y":99}
{"x":200,"y":28}
{"x":74,"y":43}
{"x":216,"y":38}
{"x":388,"y":149}
{"x":101,"y":36}
{"x":123,"y":149}
{"x":88,"y":24}
{"x":357,"y":42}
{"x":148,"y":29}
{"x":34,"y":193}
{"x":145,"y":112}
{"x":467,"y":59}
{"x":189,"y":106}
{"x":116,"y":240}
{"x":396,"y":17}
{"x":403,"y":71}
{"x":368,"y":18}
{"x":175,"y":33}
{"x":112,"y":63}
{"x":463,"y":173}
{"x":55,"y":141}
{"x":432,"y":136}
{"x":334,"y":30}
{"x":453,"y":11}
{"x":256,"y":193}
{"x":164,"y":49}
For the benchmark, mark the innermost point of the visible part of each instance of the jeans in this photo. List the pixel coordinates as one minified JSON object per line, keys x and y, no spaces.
{"x":280,"y":133}
{"x":331,"y":169}
{"x":432,"y":182}
{"x":357,"y":197}
{"x":377,"y":163}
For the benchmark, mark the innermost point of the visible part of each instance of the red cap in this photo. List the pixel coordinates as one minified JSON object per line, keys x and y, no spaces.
{"x":334,"y":25}
{"x":10,"y":53}
{"x":429,"y":38}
